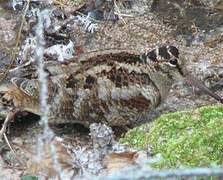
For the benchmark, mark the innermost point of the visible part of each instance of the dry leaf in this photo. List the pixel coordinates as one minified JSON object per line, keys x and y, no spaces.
{"x":45,"y":167}
{"x":116,"y":161}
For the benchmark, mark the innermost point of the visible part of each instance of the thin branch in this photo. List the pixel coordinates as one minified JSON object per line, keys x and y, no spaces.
{"x":118,"y":11}
{"x":17,"y":42}
{"x":10,"y":147}
{"x":8,"y":118}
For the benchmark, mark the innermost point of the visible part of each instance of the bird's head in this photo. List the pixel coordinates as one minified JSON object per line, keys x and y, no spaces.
{"x":169,"y":65}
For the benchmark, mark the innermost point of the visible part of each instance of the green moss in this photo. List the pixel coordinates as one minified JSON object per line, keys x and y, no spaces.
{"x":189,"y":138}
{"x":27,"y":177}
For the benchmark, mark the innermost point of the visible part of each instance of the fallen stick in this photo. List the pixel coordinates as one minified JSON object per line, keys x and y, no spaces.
{"x":10,"y":116}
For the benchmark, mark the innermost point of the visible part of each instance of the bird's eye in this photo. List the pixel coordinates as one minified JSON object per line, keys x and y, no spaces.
{"x":173,"y":62}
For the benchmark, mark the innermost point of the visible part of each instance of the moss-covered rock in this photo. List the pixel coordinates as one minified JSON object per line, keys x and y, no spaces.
{"x":187,"y":138}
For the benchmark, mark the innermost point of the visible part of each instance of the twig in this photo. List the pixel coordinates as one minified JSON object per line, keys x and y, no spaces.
{"x":17,"y":41}
{"x":10,"y":147}
{"x":119,"y":13}
{"x":21,"y":168}
{"x":8,"y":118}
{"x":22,"y":23}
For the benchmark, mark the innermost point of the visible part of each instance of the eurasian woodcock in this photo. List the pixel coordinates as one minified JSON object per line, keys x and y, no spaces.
{"x":111,"y":87}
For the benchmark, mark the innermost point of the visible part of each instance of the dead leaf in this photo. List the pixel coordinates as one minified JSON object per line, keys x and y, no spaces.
{"x":45,"y":166}
{"x":116,"y":161}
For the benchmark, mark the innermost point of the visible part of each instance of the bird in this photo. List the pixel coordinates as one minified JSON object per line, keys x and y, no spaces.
{"x":117,"y":88}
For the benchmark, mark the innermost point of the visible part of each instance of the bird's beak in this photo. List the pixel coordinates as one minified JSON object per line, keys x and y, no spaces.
{"x":199,"y":84}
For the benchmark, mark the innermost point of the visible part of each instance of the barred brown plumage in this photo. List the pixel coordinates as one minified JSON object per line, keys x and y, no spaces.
{"x":115,"y":88}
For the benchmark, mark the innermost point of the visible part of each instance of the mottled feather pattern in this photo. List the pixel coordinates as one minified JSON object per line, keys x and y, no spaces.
{"x":113,"y":87}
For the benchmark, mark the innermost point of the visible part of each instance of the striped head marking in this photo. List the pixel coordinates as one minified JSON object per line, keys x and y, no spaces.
{"x":163,"y":53}
{"x":165,"y":58}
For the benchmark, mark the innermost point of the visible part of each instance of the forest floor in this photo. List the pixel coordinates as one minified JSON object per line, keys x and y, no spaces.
{"x":193,"y":26}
